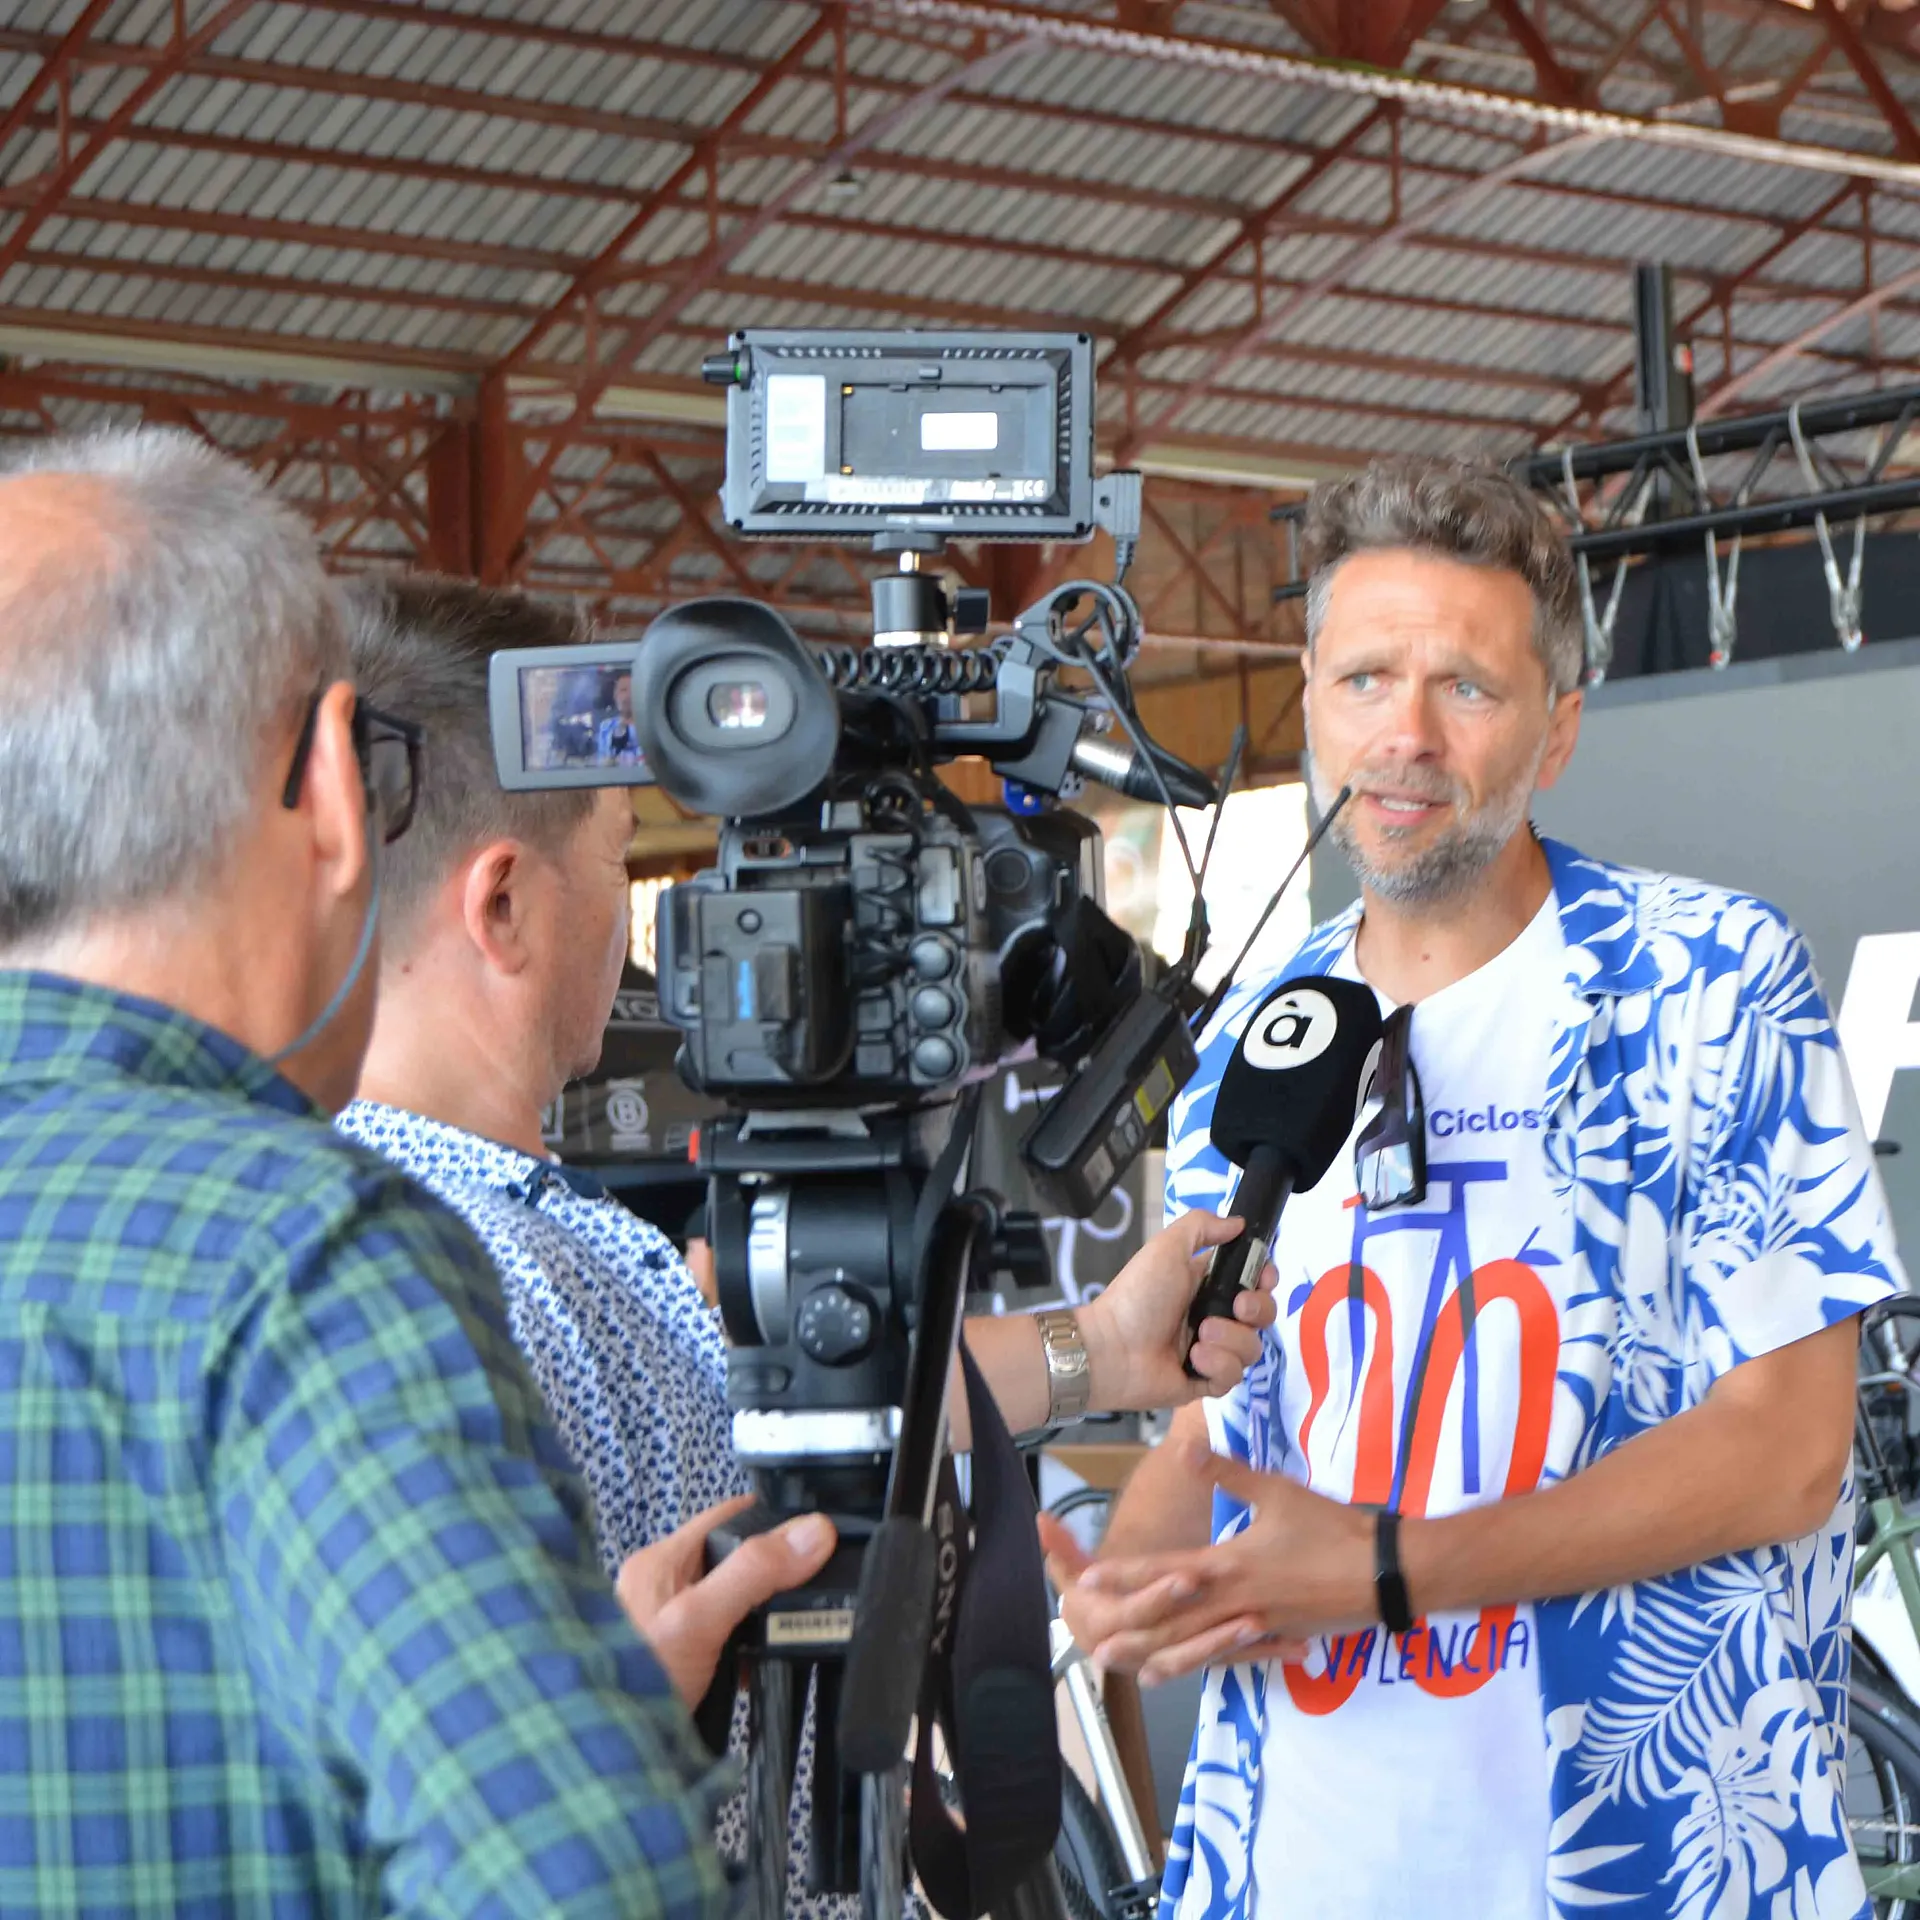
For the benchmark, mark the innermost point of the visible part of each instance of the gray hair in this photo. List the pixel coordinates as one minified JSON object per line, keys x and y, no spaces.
{"x":421,"y":646}
{"x":140,"y":688}
{"x":1461,"y":510}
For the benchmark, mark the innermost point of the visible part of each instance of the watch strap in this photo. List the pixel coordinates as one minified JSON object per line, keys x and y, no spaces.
{"x":1389,"y":1583}
{"x":1069,"y":1370}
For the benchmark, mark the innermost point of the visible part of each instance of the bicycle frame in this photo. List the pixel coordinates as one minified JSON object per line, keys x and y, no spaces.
{"x":1891,"y":1534}
{"x":1072,"y":1669}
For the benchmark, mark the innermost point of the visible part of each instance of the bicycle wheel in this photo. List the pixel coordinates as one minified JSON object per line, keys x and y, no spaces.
{"x":1883,"y":1797}
{"x":1093,"y":1876}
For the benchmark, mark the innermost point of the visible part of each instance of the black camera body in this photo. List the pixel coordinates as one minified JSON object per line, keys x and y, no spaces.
{"x":872,"y":958}
{"x":865,"y":947}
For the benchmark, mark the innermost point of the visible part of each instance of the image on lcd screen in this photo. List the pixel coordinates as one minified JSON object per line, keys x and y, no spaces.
{"x":578,"y":717}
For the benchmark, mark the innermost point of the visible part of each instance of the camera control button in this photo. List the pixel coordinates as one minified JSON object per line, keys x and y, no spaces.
{"x":932,"y":959}
{"x":932,"y":1007}
{"x":935,"y":1057}
{"x":833,"y":1325}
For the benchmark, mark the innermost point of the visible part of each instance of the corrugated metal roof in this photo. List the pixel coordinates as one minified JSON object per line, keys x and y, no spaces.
{"x":353,"y":182}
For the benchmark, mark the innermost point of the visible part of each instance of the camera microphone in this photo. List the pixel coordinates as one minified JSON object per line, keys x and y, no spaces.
{"x":1283,"y":1112}
{"x":1119,"y":767}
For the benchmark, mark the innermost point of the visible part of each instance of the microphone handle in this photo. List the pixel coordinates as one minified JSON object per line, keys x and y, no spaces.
{"x":1262,"y":1193}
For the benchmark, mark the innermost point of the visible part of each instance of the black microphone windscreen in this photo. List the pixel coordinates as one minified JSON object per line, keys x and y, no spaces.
{"x":1294,"y":1079}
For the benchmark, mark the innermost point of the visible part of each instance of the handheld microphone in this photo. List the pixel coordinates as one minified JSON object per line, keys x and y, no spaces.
{"x":1283,"y":1112}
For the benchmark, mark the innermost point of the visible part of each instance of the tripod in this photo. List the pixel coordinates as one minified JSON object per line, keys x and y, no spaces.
{"x":863,"y":1628}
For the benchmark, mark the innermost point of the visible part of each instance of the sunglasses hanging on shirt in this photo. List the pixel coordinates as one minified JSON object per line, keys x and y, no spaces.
{"x":1390,"y":1151}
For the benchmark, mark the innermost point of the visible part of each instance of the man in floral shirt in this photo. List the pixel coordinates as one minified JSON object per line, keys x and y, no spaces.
{"x":1532,"y":1528}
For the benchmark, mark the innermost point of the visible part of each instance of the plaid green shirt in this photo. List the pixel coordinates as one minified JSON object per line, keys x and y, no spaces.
{"x":298,"y":1608}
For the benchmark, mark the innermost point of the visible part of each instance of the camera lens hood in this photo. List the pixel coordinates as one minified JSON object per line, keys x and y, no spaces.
{"x":733,"y":713}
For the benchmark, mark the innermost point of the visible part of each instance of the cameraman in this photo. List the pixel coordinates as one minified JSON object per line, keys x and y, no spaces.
{"x":297,"y":1611}
{"x":507,"y":932}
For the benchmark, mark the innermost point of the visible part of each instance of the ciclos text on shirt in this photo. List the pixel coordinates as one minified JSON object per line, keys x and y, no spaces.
{"x":1443,"y":1123}
{"x":1644,"y":1167}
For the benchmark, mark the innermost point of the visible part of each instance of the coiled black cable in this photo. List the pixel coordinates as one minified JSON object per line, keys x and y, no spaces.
{"x":910,"y":670}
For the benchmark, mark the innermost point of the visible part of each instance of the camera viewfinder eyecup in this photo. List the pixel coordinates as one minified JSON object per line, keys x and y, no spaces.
{"x":731,"y":711}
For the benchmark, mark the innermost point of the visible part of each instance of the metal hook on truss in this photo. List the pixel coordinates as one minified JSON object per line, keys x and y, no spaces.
{"x":1843,"y":597}
{"x":1599,"y":626}
{"x":1721,"y":624}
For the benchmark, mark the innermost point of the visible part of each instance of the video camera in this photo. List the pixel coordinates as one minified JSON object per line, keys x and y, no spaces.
{"x":867,"y":947}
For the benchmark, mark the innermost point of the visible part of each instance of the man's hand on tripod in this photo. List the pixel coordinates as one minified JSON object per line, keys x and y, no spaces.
{"x":1136,"y":1330}
{"x":686,"y":1614}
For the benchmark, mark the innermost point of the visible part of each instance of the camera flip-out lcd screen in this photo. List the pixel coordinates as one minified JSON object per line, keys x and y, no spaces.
{"x":578,"y":717}
{"x":571,"y":718}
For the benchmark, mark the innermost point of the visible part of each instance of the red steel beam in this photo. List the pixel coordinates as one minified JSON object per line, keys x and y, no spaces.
{"x":591,"y":279}
{"x":704,"y":266}
{"x":1841,"y":31}
{"x":1254,"y":228}
{"x":450,"y":504}
{"x":55,"y":68}
{"x":469,"y":100}
{"x":357,"y":240}
{"x":75,"y":163}
{"x":221,"y":280}
{"x":1721,"y":290}
{"x":316,"y":420}
{"x":695,"y":517}
{"x":600,"y":192}
{"x":402,"y":360}
{"x":1379,"y":33}
{"x":1556,"y":83}
{"x":525,"y":260}
{"x":500,"y":495}
{"x":1266,"y":326}
{"x":354,"y":240}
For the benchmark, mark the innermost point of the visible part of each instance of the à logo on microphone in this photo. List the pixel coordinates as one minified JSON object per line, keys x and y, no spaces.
{"x":1291,"y":1030}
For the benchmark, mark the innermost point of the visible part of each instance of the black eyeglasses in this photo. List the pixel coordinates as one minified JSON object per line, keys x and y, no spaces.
{"x":1390,"y":1151}
{"x":388,"y":749}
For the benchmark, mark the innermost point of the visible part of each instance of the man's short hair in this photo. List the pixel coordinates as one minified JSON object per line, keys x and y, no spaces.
{"x":140,"y":688}
{"x":421,"y":646}
{"x":1461,"y":510}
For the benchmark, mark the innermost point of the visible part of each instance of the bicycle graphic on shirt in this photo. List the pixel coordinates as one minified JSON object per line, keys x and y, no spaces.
{"x":1452,"y":1662}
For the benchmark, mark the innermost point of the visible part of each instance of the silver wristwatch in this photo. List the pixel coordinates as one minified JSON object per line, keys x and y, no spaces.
{"x":1069,"y":1372}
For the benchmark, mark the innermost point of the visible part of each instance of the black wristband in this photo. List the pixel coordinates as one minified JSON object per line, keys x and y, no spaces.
{"x":1389,"y":1584}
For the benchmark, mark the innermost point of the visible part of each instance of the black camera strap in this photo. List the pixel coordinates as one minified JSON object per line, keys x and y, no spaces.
{"x":988,"y":1683}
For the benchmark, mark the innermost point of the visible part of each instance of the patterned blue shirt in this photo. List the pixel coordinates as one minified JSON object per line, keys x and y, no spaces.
{"x":1701,"y":1129}
{"x":627,"y":1354}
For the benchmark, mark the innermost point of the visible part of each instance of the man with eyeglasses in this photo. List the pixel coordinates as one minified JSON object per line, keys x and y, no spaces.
{"x":299,"y":1611}
{"x":1531,"y":1531}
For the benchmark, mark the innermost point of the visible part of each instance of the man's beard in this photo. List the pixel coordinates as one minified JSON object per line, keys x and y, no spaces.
{"x":1447,"y":866}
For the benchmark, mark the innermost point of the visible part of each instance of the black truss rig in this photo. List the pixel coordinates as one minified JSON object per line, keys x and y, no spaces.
{"x":1624,"y":499}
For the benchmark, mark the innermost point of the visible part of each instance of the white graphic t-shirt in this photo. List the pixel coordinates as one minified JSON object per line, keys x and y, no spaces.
{"x":1410,"y":1775}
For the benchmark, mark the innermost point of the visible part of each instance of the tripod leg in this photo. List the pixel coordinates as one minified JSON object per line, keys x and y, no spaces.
{"x":769,"y":1785}
{"x":883,"y":1843}
{"x":835,"y":1856}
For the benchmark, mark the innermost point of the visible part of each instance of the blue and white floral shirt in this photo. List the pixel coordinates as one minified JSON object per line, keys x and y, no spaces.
{"x":1701,"y":1130}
